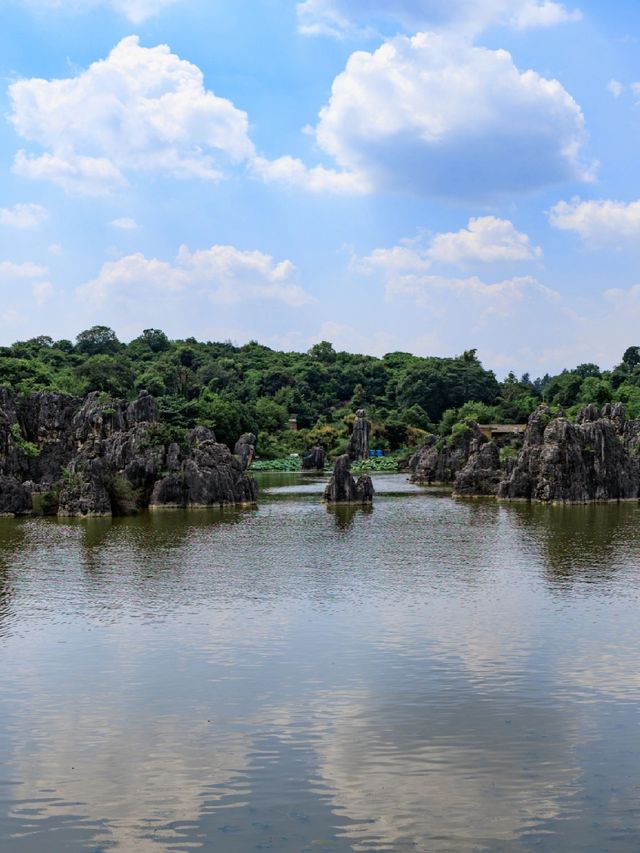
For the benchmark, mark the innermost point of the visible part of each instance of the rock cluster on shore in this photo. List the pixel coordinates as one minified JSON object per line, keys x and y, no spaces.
{"x":597,"y":458}
{"x":99,"y":456}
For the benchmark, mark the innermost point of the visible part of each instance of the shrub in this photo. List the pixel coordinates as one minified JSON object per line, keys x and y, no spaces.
{"x":70,"y":479}
{"x":123,"y":497}
{"x":49,"y":502}
{"x":28,"y":447}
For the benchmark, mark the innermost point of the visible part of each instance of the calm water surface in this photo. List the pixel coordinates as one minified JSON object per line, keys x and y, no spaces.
{"x":430,"y":675}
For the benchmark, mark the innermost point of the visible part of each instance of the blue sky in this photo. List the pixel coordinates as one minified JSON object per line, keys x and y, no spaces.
{"x":406,"y":174}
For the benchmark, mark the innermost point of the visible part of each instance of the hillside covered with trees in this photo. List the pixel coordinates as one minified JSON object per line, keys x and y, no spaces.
{"x":256,"y":389}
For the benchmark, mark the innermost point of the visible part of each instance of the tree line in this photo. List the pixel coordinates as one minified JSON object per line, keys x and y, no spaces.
{"x":253,"y":388}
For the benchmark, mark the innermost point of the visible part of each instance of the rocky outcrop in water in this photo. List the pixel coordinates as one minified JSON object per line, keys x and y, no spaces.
{"x":597,"y":458}
{"x":359,"y":442}
{"x":314,"y":459}
{"x":15,"y":499}
{"x":482,"y":475}
{"x":245,"y":449}
{"x":208,"y":475}
{"x":100,"y":456}
{"x":594,"y":459}
{"x":439,"y":460}
{"x":342,"y":488}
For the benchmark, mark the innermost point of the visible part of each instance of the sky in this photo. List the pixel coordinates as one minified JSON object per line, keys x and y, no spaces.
{"x":429,"y":176}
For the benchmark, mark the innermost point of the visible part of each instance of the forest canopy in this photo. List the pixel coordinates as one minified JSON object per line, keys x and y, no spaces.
{"x":253,"y":388}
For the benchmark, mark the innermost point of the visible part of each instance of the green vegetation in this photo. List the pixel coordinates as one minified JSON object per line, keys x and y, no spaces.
{"x":28,"y":447}
{"x":70,"y":479}
{"x":123,"y":497}
{"x":380,"y":463}
{"x":256,"y":389}
{"x":289,"y":463}
{"x":49,"y":502}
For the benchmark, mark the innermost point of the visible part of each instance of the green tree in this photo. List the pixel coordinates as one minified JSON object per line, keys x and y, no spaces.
{"x":106,"y":373}
{"x":98,"y":340}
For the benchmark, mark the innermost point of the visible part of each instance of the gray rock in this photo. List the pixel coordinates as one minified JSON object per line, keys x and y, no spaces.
{"x":142,"y":410}
{"x":438,"y":461}
{"x":314,"y":459}
{"x":199,"y":434}
{"x":342,"y":488}
{"x":107,"y":457}
{"x":15,"y":499}
{"x":594,"y":459}
{"x":359,"y":442}
{"x":482,"y":474}
{"x":210,"y":476}
{"x":245,"y":449}
{"x":85,"y":497}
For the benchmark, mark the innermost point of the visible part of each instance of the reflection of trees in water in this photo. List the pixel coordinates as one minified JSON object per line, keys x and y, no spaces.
{"x":147,"y":536}
{"x":140,"y":560}
{"x":590,"y":542}
{"x":344,"y":514}
{"x":12,"y":537}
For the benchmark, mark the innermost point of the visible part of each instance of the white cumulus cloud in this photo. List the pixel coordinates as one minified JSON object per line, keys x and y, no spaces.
{"x":24,"y":287}
{"x":488,"y":240}
{"x":599,"y":223}
{"x":11,"y":272}
{"x":292,"y":171}
{"x":222,"y":275}
{"x":23,"y":215}
{"x":446,"y":313}
{"x":346,"y":17}
{"x":406,"y":270}
{"x":139,"y":110}
{"x":437,"y":116}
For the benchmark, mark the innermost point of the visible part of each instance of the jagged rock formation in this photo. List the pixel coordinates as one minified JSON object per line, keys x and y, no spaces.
{"x":314,"y":459}
{"x":15,"y":499}
{"x":597,"y":458}
{"x":245,"y":449}
{"x":209,"y":475}
{"x":342,"y":488}
{"x":439,"y":460}
{"x":482,"y":474}
{"x":594,"y":459}
{"x":101,"y":456}
{"x":359,"y":442}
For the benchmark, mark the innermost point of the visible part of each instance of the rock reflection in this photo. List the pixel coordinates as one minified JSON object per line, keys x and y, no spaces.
{"x":344,"y":515}
{"x":13,"y":534}
{"x":590,"y":543}
{"x":290,"y":678}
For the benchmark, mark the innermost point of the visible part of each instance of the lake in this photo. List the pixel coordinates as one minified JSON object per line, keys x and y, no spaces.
{"x":429,"y":675}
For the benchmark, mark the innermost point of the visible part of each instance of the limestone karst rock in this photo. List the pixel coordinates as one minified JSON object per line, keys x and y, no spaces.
{"x":314,"y":459}
{"x":591,"y":460}
{"x":359,"y":442}
{"x":107,"y":456}
{"x":15,"y":499}
{"x":208,"y":475}
{"x":439,"y":460}
{"x":245,"y":449}
{"x":343,"y":488}
{"x":597,"y":458}
{"x":482,"y":474}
